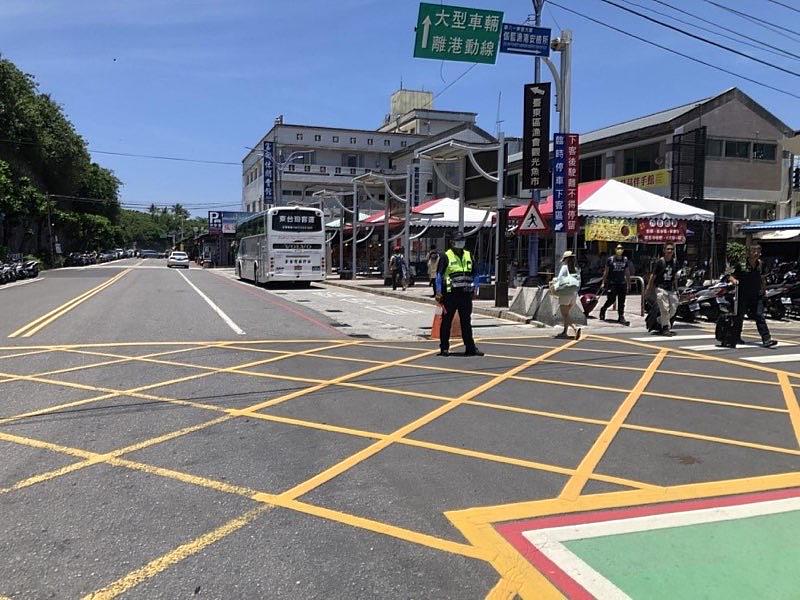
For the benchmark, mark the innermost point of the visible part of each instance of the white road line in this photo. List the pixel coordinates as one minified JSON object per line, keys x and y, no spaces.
{"x":228,"y":321}
{"x":677,"y":338}
{"x":8,"y":286}
{"x":774,"y":358}
{"x":704,"y":348}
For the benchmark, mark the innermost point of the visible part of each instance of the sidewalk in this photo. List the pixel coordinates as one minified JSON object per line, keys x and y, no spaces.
{"x":423,"y":294}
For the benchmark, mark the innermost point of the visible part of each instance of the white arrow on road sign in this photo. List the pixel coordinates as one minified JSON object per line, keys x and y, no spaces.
{"x":426,"y":27}
{"x":532,"y":221}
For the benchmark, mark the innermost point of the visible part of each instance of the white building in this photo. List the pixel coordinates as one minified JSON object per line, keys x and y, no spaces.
{"x":332,"y":156}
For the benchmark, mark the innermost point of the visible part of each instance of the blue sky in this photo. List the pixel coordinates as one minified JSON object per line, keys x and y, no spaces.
{"x":205,"y":78}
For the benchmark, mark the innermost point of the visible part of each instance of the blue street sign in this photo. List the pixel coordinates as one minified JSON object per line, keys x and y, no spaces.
{"x":524,"y":39}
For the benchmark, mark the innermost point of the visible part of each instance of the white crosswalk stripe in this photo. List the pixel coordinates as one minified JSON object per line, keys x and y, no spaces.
{"x":773,"y":358}
{"x":677,"y":338}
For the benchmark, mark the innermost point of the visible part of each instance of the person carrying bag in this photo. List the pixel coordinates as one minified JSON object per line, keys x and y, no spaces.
{"x":565,"y":287}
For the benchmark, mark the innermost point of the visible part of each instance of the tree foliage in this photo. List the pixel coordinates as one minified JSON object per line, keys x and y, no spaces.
{"x":46,"y":171}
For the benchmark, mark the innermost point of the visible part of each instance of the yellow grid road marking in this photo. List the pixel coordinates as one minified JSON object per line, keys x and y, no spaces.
{"x":791,"y":404}
{"x":180,"y":553}
{"x":373,"y":449}
{"x":592,"y":458}
{"x":712,"y":438}
{"x":503,"y":590}
{"x":40,"y":323}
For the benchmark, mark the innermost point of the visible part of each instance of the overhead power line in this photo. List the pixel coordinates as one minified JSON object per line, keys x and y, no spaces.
{"x":724,"y":28}
{"x":797,"y":10}
{"x":130,"y":154}
{"x":676,"y":52}
{"x":700,"y":38}
{"x":762,"y":22}
{"x":708,"y":29}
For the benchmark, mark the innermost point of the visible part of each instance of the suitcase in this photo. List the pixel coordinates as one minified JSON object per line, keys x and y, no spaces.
{"x":724,"y":331}
{"x":652,"y":315}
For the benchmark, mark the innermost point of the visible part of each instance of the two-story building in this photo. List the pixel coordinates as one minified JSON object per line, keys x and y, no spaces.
{"x":329,"y":157}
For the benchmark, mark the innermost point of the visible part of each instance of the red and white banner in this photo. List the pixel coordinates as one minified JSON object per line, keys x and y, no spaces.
{"x":660,"y":231}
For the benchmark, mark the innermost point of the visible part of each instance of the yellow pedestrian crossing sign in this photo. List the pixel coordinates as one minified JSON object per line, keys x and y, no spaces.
{"x":532,"y":222}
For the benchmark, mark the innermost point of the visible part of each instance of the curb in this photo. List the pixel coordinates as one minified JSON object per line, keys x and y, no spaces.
{"x":498,"y":313}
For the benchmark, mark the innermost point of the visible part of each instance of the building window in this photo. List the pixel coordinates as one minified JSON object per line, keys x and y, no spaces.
{"x":387,"y":142}
{"x":317,"y":138}
{"x":381,"y":196}
{"x":737,"y":150}
{"x":353,"y":140}
{"x":336,"y":139}
{"x":337,"y":171}
{"x":591,"y":169}
{"x":641,"y":159}
{"x":714,"y":147}
{"x":758,"y":212}
{"x":403,"y":144}
{"x":764,"y":151}
{"x":351,"y":160}
{"x":732,"y":210}
{"x":323,"y":169}
{"x":512,"y":185}
{"x":299,"y":137}
{"x":369,"y":141}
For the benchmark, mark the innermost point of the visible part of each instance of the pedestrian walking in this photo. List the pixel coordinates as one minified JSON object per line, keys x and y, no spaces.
{"x":749,"y":276}
{"x":397,"y":267}
{"x":433,"y":267}
{"x":662,"y":284}
{"x":455,"y":280}
{"x":566,"y":287}
{"x":616,"y":280}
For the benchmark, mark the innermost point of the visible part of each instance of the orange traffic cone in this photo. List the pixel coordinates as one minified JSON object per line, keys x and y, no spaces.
{"x":436,"y":327}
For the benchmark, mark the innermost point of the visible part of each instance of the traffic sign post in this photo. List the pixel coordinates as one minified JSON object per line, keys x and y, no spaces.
{"x":532,"y":222}
{"x":524,"y":39}
{"x":458,"y":33}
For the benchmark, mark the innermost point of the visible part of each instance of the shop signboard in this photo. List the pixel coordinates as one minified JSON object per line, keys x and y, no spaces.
{"x":646,"y":180}
{"x":605,"y":229}
{"x":661,"y":231}
{"x":224,"y":221}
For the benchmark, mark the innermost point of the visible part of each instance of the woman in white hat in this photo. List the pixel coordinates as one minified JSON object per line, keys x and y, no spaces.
{"x":566,"y":288}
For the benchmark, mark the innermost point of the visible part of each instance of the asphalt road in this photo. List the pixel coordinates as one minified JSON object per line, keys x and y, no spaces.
{"x":183,"y":435}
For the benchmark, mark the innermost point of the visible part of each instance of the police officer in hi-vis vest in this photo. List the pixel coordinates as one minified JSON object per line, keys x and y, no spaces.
{"x":454,"y":285}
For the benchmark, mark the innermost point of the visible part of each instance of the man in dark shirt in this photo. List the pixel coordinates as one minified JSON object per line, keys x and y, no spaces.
{"x":616,"y":277}
{"x":662,"y":283}
{"x":748,"y":276}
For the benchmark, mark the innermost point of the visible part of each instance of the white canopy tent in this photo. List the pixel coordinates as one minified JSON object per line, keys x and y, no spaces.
{"x":448,"y":209}
{"x":618,"y":200}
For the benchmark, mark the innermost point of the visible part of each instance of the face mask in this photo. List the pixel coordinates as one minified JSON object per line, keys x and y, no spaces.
{"x":459,"y":245}
{"x":620,"y":252}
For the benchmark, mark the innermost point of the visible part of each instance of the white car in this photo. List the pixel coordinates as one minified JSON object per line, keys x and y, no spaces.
{"x":178,"y":259}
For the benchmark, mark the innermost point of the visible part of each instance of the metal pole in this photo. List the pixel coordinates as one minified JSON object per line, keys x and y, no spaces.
{"x":355,"y":229}
{"x":501,"y":248}
{"x":462,"y":194}
{"x":50,"y":231}
{"x":533,"y":240}
{"x":565,"y":42}
{"x":386,"y":216}
{"x":341,"y":240}
{"x":407,"y":214}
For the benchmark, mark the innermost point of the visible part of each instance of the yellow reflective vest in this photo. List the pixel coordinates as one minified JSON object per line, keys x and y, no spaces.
{"x":458,"y":274}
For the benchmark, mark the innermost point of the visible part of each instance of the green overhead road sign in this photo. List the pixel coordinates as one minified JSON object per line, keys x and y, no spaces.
{"x":458,"y":33}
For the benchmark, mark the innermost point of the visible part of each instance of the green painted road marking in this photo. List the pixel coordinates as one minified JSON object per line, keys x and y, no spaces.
{"x":755,"y":557}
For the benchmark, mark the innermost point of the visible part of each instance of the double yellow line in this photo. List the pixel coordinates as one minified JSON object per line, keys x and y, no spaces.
{"x":43,"y":321}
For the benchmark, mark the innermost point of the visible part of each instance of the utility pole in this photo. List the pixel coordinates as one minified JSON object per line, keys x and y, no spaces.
{"x":533,"y":241}
{"x":501,"y":246}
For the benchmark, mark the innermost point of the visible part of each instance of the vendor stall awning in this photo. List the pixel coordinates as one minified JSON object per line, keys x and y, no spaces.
{"x":448,"y":208}
{"x":790,"y":223}
{"x":610,"y":198}
{"x":778,"y":235}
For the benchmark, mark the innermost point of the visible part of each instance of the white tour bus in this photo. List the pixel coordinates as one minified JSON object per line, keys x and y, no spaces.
{"x":282,"y":244}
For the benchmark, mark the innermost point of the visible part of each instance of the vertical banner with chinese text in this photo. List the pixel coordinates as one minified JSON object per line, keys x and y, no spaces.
{"x":571,"y":184}
{"x":269,"y":173}
{"x":536,"y":137}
